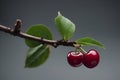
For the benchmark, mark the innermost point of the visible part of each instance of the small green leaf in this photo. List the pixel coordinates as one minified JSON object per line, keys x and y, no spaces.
{"x":37,"y":56}
{"x":38,"y":30}
{"x":87,"y":41}
{"x":64,"y":26}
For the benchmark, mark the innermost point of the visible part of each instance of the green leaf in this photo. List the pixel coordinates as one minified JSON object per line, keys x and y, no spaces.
{"x":37,"y":56}
{"x":38,"y":30}
{"x":87,"y":41}
{"x":64,"y":26}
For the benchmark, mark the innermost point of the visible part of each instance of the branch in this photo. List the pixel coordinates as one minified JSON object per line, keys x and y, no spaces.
{"x":16,"y":32}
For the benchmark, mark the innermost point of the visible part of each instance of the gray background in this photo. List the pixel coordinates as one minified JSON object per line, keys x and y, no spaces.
{"x":99,"y":19}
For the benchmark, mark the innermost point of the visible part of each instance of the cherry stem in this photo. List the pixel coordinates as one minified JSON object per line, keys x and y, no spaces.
{"x":76,"y":51}
{"x":83,"y":50}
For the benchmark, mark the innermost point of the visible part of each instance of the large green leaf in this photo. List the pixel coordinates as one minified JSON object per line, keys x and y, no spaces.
{"x":64,"y":26}
{"x":38,"y":30}
{"x":87,"y":41}
{"x":37,"y":56}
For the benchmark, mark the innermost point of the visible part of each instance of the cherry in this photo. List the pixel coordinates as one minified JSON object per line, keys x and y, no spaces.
{"x":75,"y":58}
{"x":91,"y":59}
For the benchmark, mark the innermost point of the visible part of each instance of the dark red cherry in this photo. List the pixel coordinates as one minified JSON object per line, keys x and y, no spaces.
{"x":75,"y":58}
{"x":91,"y":59}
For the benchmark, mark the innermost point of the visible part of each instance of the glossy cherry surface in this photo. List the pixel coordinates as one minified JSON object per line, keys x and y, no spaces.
{"x":91,"y":59}
{"x":75,"y":58}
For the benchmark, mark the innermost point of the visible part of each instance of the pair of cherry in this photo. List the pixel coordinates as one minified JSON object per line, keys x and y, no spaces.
{"x":89,"y":59}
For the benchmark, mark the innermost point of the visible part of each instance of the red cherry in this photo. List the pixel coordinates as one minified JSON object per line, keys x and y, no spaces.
{"x":91,"y":59}
{"x":75,"y":58}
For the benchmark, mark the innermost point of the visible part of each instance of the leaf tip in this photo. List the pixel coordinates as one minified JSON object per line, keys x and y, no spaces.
{"x":103,"y":47}
{"x":59,"y":13}
{"x":25,"y":66}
